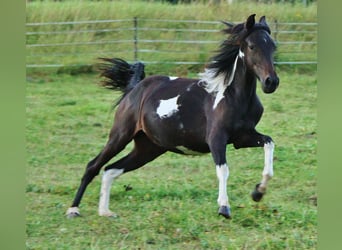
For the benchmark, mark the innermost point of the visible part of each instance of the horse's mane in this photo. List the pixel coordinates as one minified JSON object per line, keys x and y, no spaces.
{"x":223,"y":61}
{"x":221,"y":66}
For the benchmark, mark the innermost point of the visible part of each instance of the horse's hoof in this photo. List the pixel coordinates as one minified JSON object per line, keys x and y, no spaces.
{"x":73,"y":212}
{"x":225,"y":212}
{"x":256,"y":194}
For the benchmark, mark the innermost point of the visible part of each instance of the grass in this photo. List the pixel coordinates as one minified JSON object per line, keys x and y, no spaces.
{"x":172,"y":204}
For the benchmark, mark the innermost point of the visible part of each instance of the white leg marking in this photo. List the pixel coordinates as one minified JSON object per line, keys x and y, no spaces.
{"x":168,"y":107}
{"x":73,"y":210}
{"x":173,"y":78}
{"x":107,"y":180}
{"x":222,"y":173}
{"x":267,"y":173}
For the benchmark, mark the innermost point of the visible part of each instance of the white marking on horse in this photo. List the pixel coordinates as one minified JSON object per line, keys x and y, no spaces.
{"x":218,"y":84}
{"x":222,"y":173}
{"x":267,"y":173}
{"x":241,"y":54}
{"x":107,"y":180}
{"x":219,"y":95}
{"x":222,"y":87}
{"x":173,"y":78}
{"x":167,"y":107}
{"x":73,"y":210}
{"x":213,"y":84}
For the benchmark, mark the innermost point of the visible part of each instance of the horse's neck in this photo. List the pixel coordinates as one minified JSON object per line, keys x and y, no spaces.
{"x":243,"y":85}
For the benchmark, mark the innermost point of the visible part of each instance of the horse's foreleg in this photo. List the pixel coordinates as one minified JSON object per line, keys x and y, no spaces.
{"x":267,"y":173}
{"x":217,"y":146}
{"x":222,"y":172}
{"x":255,"y":139}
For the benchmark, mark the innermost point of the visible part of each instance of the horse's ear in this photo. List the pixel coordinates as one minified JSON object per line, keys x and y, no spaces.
{"x":263,"y":21}
{"x":250,"y":22}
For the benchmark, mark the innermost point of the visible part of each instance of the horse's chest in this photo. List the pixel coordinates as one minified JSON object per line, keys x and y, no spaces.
{"x":243,"y":117}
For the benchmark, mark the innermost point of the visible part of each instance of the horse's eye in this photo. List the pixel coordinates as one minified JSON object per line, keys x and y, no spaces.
{"x":251,"y":47}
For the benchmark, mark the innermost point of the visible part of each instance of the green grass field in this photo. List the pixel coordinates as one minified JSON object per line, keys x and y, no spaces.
{"x":173,"y":201}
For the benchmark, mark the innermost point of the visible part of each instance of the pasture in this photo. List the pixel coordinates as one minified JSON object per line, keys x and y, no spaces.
{"x":171,"y":202}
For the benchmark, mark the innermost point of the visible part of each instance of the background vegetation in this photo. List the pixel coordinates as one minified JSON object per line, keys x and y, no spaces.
{"x":87,"y":41}
{"x":172,"y":204}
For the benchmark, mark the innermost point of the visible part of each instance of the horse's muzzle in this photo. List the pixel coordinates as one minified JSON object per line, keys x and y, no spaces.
{"x":270,"y":84}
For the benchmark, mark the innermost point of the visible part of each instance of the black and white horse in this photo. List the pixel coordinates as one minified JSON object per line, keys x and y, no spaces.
{"x":161,"y":113}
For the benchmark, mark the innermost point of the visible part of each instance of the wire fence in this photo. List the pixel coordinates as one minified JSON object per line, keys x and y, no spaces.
{"x":152,"y":41}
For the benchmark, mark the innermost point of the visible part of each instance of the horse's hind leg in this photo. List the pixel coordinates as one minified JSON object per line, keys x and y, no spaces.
{"x":115,"y":144}
{"x":144,"y":151}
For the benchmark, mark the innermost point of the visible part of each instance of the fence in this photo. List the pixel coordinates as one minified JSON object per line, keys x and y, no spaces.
{"x":162,"y":42}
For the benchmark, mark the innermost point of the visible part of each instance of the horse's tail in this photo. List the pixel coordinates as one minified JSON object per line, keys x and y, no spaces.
{"x":121,"y":75}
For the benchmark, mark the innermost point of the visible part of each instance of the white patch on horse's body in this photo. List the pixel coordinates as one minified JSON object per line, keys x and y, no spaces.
{"x":267,"y":173}
{"x":188,"y":151}
{"x":173,"y":78}
{"x":219,"y":95}
{"x":241,"y":54}
{"x":107,"y":180}
{"x":222,"y":172}
{"x":218,"y":84}
{"x":168,"y":107}
{"x":210,"y":81}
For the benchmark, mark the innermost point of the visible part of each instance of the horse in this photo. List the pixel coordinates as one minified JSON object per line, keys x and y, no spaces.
{"x":185,"y":116}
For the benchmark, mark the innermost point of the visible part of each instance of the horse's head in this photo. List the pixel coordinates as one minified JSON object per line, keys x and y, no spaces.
{"x":256,"y":48}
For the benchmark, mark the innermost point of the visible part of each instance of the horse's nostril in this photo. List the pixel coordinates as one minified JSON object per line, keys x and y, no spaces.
{"x":271,"y":80}
{"x":268,"y":81}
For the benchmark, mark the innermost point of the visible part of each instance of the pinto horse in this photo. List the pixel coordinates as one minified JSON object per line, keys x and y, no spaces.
{"x":162,"y":113}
